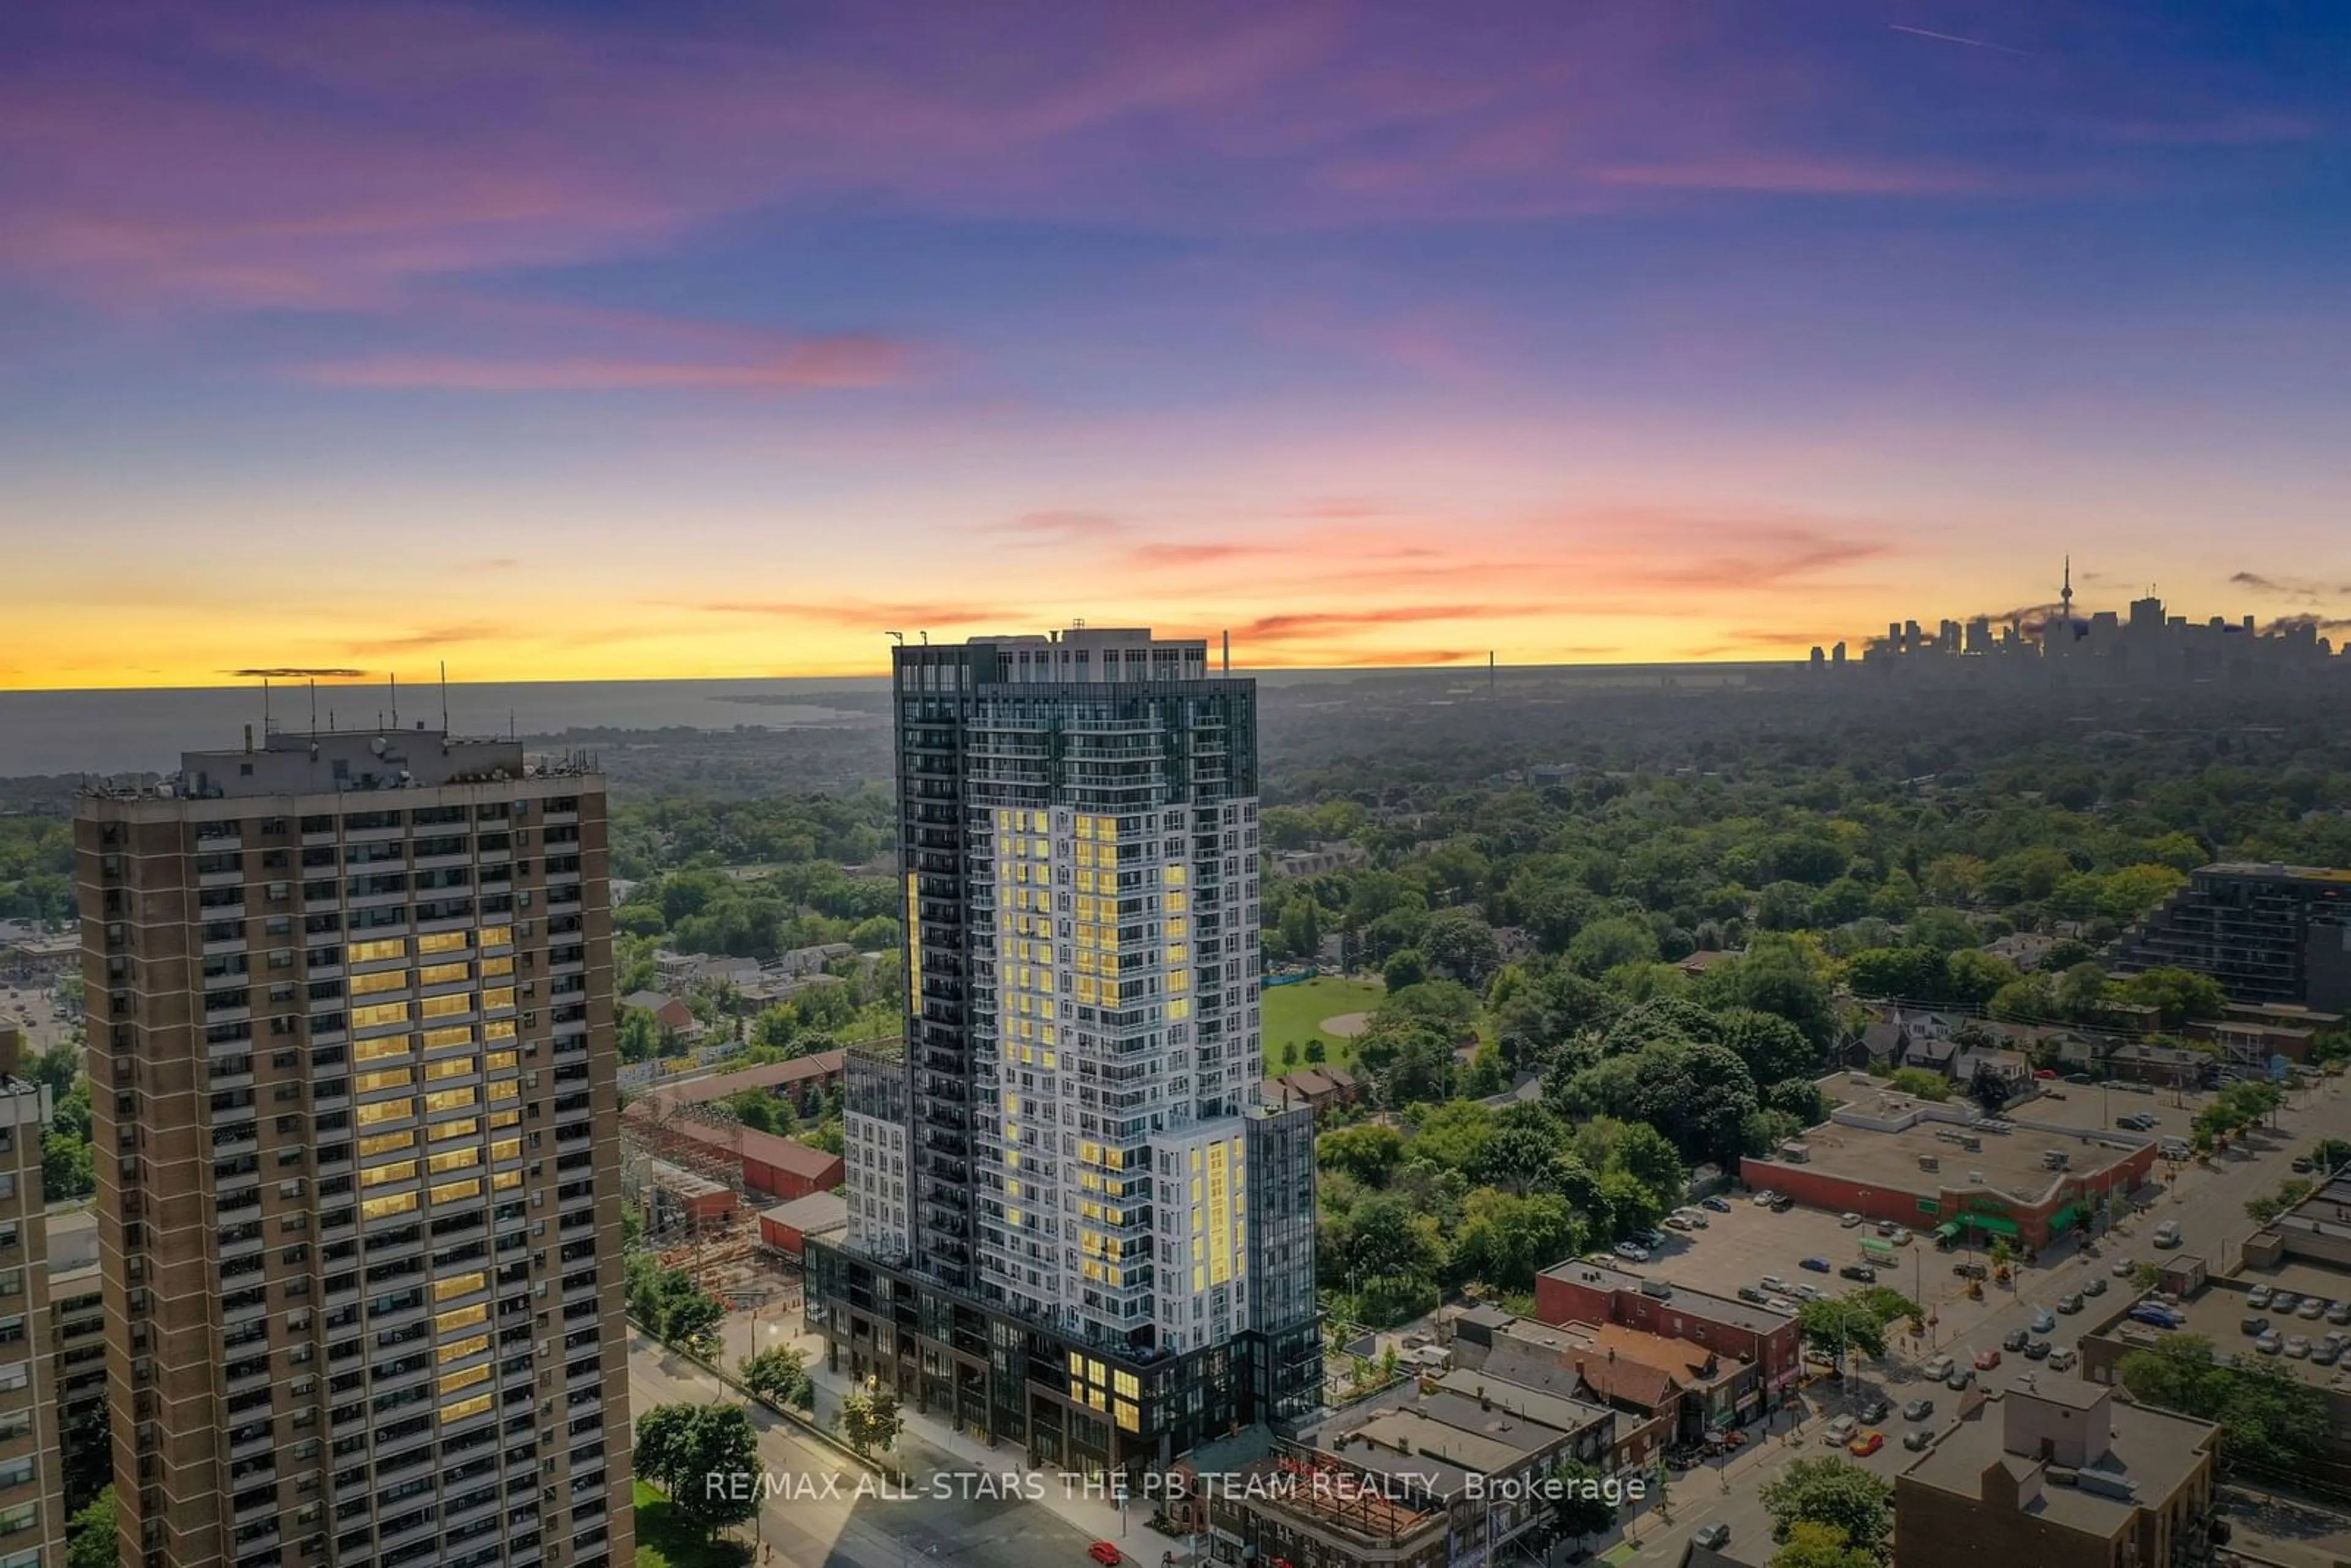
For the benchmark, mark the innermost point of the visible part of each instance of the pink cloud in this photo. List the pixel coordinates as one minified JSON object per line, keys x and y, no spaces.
{"x":832,"y":364}
{"x":322,"y":155}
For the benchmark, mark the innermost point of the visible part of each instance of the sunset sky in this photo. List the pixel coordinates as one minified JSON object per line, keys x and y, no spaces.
{"x":666,"y":340}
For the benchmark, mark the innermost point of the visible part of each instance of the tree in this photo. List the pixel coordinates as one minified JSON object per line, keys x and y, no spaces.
{"x":1811,"y":1544}
{"x":2267,"y":1416}
{"x":1507,"y":1240}
{"x":90,"y":1534}
{"x":1583,"y":1506}
{"x":1852,"y":1502}
{"x":779,"y":1376}
{"x":705,"y":1457}
{"x":1605,"y":944}
{"x":2182,"y":994}
{"x":2082,"y":992}
{"x":869,"y":1418}
{"x":1406,"y":968}
{"x":1461,"y":947}
{"x":1922,"y":1083}
{"x":1838,"y":1324}
{"x":1988,"y":1088}
{"x":1370,"y":1152}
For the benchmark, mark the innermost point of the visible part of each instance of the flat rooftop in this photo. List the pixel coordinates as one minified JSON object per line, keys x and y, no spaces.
{"x":2257,"y":871}
{"x":2153,"y":1450}
{"x":2008,"y":1163}
{"x":1694,"y":1303}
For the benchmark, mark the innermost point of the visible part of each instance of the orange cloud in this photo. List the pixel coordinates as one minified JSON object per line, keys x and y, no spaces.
{"x":436,"y":637}
{"x":868,"y":615}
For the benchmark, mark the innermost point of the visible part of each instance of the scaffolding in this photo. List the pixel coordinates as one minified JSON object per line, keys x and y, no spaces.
{"x":724,"y":1256}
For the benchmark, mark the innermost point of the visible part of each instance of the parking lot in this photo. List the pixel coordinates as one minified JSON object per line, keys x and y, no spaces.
{"x":1741,"y":1247}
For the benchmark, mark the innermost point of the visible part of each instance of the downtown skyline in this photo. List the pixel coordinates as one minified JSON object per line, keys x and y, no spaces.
{"x":666,"y":343}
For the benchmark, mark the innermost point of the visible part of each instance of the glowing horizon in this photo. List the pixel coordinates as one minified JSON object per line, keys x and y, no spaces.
{"x":661,"y":343}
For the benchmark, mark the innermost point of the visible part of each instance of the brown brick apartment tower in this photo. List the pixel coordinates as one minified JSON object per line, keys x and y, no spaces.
{"x":32,"y":1488}
{"x":350,"y":1051}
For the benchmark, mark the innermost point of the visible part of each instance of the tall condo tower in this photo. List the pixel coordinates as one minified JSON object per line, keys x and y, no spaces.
{"x":1073,"y":1224}
{"x":350,"y":1044}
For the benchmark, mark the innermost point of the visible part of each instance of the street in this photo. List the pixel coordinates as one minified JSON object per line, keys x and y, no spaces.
{"x":847,"y":1530}
{"x":2208,"y":1206}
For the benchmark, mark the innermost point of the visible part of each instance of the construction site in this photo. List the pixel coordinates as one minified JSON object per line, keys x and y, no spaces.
{"x":683,"y":1169}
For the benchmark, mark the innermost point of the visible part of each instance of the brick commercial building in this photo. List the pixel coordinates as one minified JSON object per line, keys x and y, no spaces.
{"x":2064,"y":1476}
{"x":357,"y":1152}
{"x":1587,"y":1292}
{"x":1947,"y":1171}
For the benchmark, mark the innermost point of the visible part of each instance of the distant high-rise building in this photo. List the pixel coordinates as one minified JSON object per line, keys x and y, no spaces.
{"x":2268,"y":934}
{"x":350,"y":1045}
{"x":1073,"y":1224}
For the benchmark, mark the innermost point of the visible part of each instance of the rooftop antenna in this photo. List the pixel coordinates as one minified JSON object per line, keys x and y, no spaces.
{"x":898,"y":637}
{"x":313,"y":705}
{"x":1229,"y":651}
{"x":444,"y":699}
{"x":265,"y":708}
{"x":1489,"y":674}
{"x":395,"y":703}
{"x":927,"y":639}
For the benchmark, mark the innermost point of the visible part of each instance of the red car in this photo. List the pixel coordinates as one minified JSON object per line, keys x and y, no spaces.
{"x":1986,"y":1360}
{"x":1865,"y":1444}
{"x":1108,"y":1555}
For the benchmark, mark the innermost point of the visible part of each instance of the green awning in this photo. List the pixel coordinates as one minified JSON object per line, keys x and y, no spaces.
{"x":2069,"y":1214}
{"x":1991,"y":1222}
{"x":1949,"y":1232}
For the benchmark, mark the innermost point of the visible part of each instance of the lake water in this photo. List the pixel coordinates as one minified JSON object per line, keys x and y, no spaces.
{"x":146,"y":731}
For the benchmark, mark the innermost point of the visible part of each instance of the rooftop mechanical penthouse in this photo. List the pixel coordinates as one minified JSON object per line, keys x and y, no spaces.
{"x":1073,"y":1226}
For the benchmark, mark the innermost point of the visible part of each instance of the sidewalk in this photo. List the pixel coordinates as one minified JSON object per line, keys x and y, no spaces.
{"x":928,"y":1445}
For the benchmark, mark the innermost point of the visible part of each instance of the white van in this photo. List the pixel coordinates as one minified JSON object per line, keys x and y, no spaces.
{"x":2167,"y":1234}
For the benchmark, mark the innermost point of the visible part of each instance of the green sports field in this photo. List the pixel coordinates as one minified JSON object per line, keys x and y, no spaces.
{"x":1296,"y":1013}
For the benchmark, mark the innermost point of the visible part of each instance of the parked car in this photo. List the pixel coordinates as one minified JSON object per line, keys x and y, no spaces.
{"x":2063,"y":1358}
{"x":1804,"y":1292}
{"x":1960,"y":1377}
{"x":1783,"y":1304}
{"x":2269,"y":1344}
{"x":1875,"y":1410}
{"x":2014,"y":1340}
{"x":2253,"y":1327}
{"x":2156,"y":1315}
{"x":2069,"y":1303}
{"x":1986,"y":1360}
{"x":1773,"y":1283}
{"x":1939,"y":1369}
{"x":1719,"y":1205}
{"x":2049,"y":1092}
{"x":2037,"y":1349}
{"x":1782,"y":1203}
{"x":1886,"y":1228}
{"x":1750,"y":1293}
{"x":1765,"y":1198}
{"x":2327,"y":1353}
{"x":1676,"y":1222}
{"x":2313,"y":1307}
{"x":1868,"y":1443}
{"x":1106,"y":1553}
{"x":1817,"y":1265}
{"x":2167,"y":1235}
{"x":1901,"y":1236}
{"x":2298,"y":1347}
{"x":2043,"y":1322}
{"x":1971,"y":1271}
{"x":1918,"y":1439}
{"x":1861,"y":1271}
{"x":2302,"y":1165}
{"x":1632,"y":1251}
{"x":1713,"y":1537}
{"x":2122,"y":1268}
{"x":1848,"y":1221}
{"x":2284,"y":1301}
{"x":2338,"y":1312}
{"x":1919,"y":1410}
{"x":2096,"y":1286}
{"x":1841,"y":1429}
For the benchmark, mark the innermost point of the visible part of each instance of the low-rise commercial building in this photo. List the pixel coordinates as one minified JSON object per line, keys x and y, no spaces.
{"x":2065,"y":1476}
{"x":1945,"y":1168}
{"x":1584,"y":1291}
{"x":1446,"y":1471}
